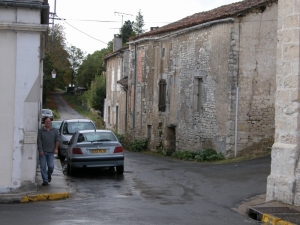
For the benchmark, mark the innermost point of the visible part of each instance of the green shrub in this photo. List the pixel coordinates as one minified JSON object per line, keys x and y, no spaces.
{"x":137,"y":145}
{"x":199,"y":156}
{"x":121,"y":138}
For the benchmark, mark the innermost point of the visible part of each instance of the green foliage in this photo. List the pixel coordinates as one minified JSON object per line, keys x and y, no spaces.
{"x":127,"y":31}
{"x":97,"y":93}
{"x":139,"y":24}
{"x":199,"y":156}
{"x":91,"y":67}
{"x":76,"y":56}
{"x":137,"y":145}
{"x":121,"y":138}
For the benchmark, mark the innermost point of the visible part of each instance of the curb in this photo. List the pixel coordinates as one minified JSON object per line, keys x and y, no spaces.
{"x":266,"y":219}
{"x":44,"y":197}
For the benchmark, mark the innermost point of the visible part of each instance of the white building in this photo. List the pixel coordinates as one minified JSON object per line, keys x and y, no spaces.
{"x":22,"y":35}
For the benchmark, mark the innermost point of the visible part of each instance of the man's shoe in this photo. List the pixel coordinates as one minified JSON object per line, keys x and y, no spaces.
{"x":49,"y":178}
{"x":45,"y":183}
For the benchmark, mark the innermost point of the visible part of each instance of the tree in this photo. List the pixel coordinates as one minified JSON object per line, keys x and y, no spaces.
{"x":98,"y":93}
{"x":56,"y":57}
{"x":76,"y":56}
{"x":92,"y":66}
{"x":139,"y":24}
{"x":127,"y":31}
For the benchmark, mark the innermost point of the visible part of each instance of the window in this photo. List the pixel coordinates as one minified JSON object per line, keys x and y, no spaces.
{"x":149,"y":132}
{"x":162,"y":95}
{"x":108,"y":114}
{"x":163,"y":50}
{"x":198,"y":83}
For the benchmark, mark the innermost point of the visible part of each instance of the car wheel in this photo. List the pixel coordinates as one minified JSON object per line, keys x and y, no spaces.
{"x":71,"y":170}
{"x":120,"y":169}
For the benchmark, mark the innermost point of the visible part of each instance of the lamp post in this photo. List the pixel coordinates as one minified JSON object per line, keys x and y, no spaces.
{"x":53,"y":73}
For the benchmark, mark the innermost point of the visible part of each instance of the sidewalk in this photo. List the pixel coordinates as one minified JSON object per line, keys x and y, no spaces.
{"x":57,"y":188}
{"x":272,"y":212}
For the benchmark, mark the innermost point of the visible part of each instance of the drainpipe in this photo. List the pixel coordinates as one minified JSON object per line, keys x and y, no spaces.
{"x":134,"y":100}
{"x":237,"y":95}
{"x":236,"y":120}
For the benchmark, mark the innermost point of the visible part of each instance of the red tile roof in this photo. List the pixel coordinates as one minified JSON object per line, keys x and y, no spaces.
{"x":222,"y":12}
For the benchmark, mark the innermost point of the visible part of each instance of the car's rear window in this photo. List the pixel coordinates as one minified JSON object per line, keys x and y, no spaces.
{"x":96,"y":136}
{"x":72,"y":127}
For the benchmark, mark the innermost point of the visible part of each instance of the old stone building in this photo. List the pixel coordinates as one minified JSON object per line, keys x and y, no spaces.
{"x":226,"y":78}
{"x":115,"y":110}
{"x":191,"y":81}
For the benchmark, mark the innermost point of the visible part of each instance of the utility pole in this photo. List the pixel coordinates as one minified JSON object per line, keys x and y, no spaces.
{"x":53,"y":14}
{"x":122,"y":14}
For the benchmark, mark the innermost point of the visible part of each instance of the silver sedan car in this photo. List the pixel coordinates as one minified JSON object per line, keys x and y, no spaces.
{"x":94,"y":148}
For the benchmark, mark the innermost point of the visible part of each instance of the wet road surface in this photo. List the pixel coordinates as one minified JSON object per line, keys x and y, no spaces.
{"x":153,"y":190}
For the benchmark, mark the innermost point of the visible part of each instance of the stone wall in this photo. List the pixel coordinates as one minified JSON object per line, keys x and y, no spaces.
{"x":223,"y":56}
{"x":257,"y":69}
{"x":116,"y":97}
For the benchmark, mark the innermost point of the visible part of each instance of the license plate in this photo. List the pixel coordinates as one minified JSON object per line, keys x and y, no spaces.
{"x":99,"y":151}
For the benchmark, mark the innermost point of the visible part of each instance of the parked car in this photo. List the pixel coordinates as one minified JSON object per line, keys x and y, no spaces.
{"x":67,"y":129}
{"x":47,"y":113}
{"x":56,"y":124}
{"x":94,"y":148}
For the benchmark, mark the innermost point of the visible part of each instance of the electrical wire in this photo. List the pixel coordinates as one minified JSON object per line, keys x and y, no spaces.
{"x":80,"y":30}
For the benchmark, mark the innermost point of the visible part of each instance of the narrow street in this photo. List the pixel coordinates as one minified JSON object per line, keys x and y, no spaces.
{"x":153,"y":190}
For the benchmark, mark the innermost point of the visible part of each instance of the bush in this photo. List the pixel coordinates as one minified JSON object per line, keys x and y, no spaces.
{"x":121,"y":138}
{"x":199,"y":156}
{"x":135,"y":146}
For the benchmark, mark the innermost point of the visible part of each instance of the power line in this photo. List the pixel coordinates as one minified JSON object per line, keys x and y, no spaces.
{"x":101,"y":21}
{"x":80,"y":30}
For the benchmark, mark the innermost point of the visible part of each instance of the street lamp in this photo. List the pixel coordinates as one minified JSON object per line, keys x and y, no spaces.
{"x":53,"y":73}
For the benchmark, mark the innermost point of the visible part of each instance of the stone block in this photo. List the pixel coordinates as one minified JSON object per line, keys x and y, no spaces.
{"x":291,"y":81}
{"x":295,"y":95}
{"x":282,"y":96}
{"x":280,"y":188}
{"x":291,"y":21}
{"x":291,"y":52}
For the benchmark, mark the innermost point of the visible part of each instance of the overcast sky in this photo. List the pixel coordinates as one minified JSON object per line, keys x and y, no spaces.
{"x":91,"y":24}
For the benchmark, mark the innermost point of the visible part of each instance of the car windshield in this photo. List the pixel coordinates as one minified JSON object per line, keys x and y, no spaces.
{"x":71,"y":127}
{"x":96,"y":136}
{"x":46,"y":111}
{"x":56,"y":124}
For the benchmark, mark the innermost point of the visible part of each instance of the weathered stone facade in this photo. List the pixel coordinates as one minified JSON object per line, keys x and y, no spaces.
{"x":202,"y":67}
{"x":115,"y":109}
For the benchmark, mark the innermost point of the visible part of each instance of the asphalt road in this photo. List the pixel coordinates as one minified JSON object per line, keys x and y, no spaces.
{"x":64,"y":110}
{"x":154,"y":190}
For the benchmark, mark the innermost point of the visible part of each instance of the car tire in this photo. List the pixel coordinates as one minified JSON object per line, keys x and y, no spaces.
{"x":120,"y":169}
{"x":71,"y":170}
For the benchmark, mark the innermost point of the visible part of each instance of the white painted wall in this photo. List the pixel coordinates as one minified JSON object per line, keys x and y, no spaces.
{"x":20,"y":93}
{"x":7,"y":96}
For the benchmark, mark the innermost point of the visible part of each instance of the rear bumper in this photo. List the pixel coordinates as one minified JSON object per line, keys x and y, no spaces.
{"x":96,"y":161}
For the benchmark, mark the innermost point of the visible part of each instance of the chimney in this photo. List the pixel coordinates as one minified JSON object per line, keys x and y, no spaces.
{"x":153,"y":28}
{"x":117,"y":42}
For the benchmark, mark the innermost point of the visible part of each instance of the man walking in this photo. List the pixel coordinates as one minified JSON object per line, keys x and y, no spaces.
{"x":48,"y":142}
